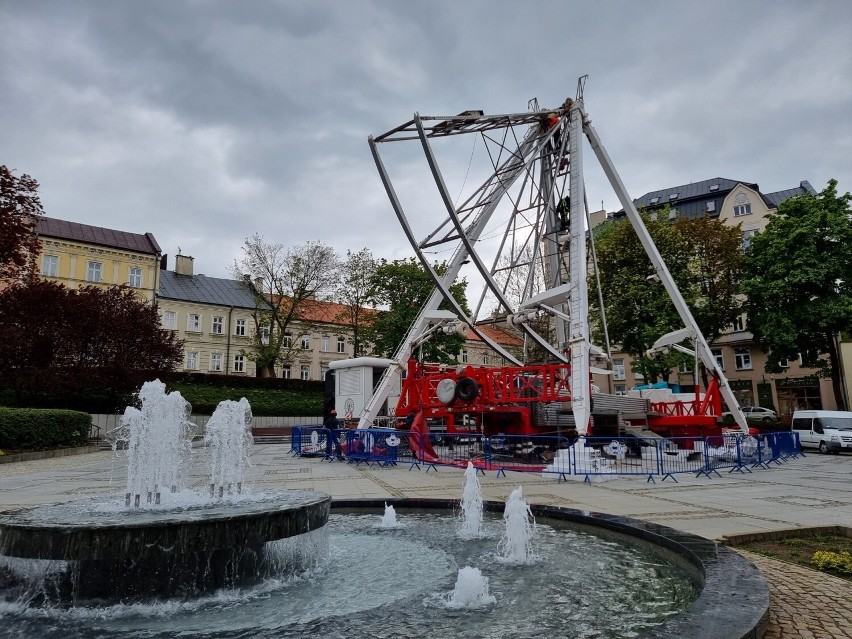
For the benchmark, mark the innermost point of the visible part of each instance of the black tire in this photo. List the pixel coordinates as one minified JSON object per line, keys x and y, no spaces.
{"x":767,"y":420}
{"x":466,"y":389}
{"x":823,"y":448}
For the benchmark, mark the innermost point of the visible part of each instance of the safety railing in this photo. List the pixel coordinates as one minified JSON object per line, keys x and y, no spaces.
{"x":576,"y":458}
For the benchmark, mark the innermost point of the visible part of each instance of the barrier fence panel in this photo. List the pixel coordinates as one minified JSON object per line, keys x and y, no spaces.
{"x":309,"y":441}
{"x":451,"y":449}
{"x":372,"y":446}
{"x":523,"y":453}
{"x":682,"y":455}
{"x":615,"y":456}
{"x":722,"y":452}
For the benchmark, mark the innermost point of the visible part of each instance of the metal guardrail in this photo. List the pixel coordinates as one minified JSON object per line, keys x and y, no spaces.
{"x":581,"y":457}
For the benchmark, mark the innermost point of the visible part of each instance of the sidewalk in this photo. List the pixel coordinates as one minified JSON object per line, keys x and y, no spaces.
{"x":812,"y":491}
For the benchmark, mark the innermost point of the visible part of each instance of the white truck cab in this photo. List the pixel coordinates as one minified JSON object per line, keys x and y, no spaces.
{"x":825,"y":430}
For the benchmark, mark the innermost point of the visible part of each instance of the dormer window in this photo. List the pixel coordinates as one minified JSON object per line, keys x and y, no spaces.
{"x":655,"y":200}
{"x":673,"y":196}
{"x":714,"y":187}
{"x":711,"y":206}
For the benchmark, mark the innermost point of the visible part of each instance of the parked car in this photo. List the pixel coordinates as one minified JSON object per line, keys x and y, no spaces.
{"x":829,"y":431}
{"x":754,"y":414}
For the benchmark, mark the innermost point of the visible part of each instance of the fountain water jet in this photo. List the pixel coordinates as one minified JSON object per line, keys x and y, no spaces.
{"x":471,"y":505}
{"x":389,"y":518}
{"x":228,"y":437}
{"x":471,"y":590}
{"x":516,"y":543}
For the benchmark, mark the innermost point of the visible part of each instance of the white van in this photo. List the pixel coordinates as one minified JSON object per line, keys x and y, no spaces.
{"x":826,"y":430}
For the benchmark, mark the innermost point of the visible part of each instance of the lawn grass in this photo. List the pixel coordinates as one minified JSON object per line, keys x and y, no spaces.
{"x":799,"y":547}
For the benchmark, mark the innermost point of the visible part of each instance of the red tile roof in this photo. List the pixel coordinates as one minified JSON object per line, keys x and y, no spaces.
{"x":51,"y":227}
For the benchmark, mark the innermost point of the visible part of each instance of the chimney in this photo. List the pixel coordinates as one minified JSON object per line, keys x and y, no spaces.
{"x":164,"y":262}
{"x":183,"y":264}
{"x":258,"y":285}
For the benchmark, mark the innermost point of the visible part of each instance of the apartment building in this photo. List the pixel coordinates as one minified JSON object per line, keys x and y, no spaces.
{"x":214,"y":317}
{"x":742,"y":204}
{"x":75,"y":254}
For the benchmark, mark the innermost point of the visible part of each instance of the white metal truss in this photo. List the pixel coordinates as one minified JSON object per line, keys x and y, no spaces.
{"x":510,"y":230}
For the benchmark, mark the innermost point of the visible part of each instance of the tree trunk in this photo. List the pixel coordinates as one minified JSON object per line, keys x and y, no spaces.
{"x":836,"y":379}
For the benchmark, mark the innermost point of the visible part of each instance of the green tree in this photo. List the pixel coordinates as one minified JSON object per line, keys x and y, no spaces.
{"x":19,"y":210}
{"x":288,"y":283}
{"x":354,"y":292}
{"x":705,"y":258}
{"x":799,"y":282}
{"x":402,"y":287}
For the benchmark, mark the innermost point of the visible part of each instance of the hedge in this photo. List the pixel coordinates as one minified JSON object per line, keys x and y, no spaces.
{"x":33,"y":428}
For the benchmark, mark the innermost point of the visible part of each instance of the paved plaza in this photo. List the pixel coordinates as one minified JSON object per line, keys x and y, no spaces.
{"x":810,"y":491}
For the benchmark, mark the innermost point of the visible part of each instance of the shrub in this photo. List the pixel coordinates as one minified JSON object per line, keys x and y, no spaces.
{"x":836,"y":562}
{"x":30,"y":428}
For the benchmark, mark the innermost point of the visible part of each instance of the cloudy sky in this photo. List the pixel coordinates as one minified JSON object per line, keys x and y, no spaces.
{"x":206,"y":122}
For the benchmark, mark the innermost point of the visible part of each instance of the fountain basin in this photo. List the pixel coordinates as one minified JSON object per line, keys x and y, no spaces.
{"x":104,"y":551}
{"x":733,"y":602}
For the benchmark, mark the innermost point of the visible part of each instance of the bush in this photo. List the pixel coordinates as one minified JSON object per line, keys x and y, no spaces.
{"x":28,"y":428}
{"x":264,"y":402}
{"x":836,"y":562}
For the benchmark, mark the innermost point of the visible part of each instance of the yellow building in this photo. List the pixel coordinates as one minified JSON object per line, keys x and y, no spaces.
{"x":214,"y":317}
{"x":76,"y":255}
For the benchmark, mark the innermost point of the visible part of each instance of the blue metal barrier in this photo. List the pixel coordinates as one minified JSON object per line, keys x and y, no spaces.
{"x":584,"y":457}
{"x":372,"y":446}
{"x":615,"y":456}
{"x":309,"y":440}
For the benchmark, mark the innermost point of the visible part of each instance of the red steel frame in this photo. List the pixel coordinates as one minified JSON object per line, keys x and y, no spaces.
{"x":509,"y":392}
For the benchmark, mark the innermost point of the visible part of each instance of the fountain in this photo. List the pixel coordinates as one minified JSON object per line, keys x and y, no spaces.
{"x":389,"y":518}
{"x":516,"y":544}
{"x":471,"y":590}
{"x":161,"y":540}
{"x":196,"y":565}
{"x":471,"y":505}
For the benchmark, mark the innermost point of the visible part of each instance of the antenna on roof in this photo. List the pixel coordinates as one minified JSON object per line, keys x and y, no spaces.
{"x":178,"y":250}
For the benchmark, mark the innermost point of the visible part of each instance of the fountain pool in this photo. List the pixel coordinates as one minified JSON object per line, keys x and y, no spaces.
{"x":399,"y":582}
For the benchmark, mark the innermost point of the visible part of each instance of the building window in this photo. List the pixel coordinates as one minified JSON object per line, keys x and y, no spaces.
{"x":742,"y":209}
{"x":288,"y":340}
{"x":618,"y":371}
{"x":747,"y":235}
{"x":135,"y":279}
{"x":239,"y":364}
{"x":264,"y":335}
{"x":286,"y":372}
{"x":306,"y":343}
{"x":218,"y":324}
{"x":485,"y":359}
{"x":323,"y":372}
{"x":169,"y":320}
{"x":710,"y":206}
{"x":720,"y":361}
{"x":240,"y":328}
{"x":193,"y":322}
{"x":742,"y":359}
{"x":192,"y":360}
{"x":94,"y":272}
{"x":739,"y":324}
{"x":49,"y":265}
{"x":621,"y":389}
{"x":305,"y":372}
{"x":784,"y":362}
{"x":673,"y":196}
{"x":341,"y":344}
{"x":464,"y":356}
{"x":216,"y":362}
{"x":326,"y":343}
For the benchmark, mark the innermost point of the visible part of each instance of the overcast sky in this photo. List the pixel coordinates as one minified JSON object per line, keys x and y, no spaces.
{"x":206,"y":122}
